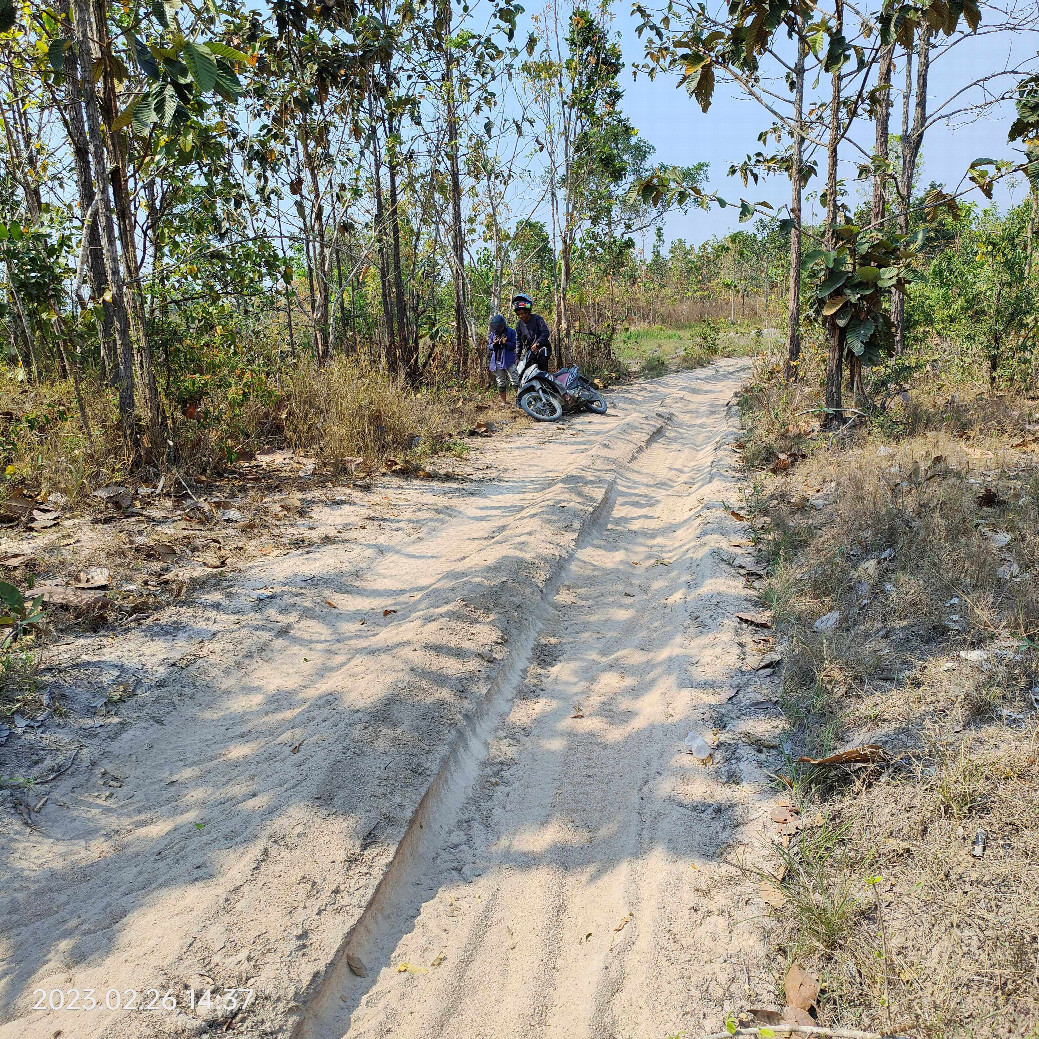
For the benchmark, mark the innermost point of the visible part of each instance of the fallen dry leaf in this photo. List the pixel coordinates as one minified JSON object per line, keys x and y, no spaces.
{"x":865,"y":755}
{"x":624,"y":923}
{"x":386,"y":613}
{"x":295,"y":750}
{"x":410,"y":968}
{"x":758,"y":620}
{"x":119,"y":496}
{"x":438,"y":959}
{"x":797,"y":1016}
{"x":15,"y":559}
{"x":766,"y":1016}
{"x":737,"y":516}
{"x":780,"y":465}
{"x":801,"y":988}
{"x":94,"y":577}
{"x":577,"y":713}
{"x":783,"y":814}
{"x":63,"y":595}
{"x":772,"y":895}
{"x":18,"y":505}
{"x":43,"y":519}
{"x":330,"y":603}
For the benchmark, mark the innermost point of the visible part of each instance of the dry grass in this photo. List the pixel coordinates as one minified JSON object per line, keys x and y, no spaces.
{"x":922,"y":530}
{"x":43,"y":444}
{"x":348,"y":412}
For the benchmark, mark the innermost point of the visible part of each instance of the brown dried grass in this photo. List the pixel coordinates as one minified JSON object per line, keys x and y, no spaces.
{"x":927,"y":542}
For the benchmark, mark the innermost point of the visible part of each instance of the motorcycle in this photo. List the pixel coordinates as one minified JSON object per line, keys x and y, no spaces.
{"x":544,"y":396}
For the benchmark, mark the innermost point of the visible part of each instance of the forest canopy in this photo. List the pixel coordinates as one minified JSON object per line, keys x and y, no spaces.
{"x":203,"y":202}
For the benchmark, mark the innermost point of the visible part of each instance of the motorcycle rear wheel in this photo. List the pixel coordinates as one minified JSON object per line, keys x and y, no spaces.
{"x":540,"y":405}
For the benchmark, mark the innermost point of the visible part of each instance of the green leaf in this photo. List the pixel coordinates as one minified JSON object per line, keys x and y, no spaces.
{"x":7,"y":15}
{"x":122,"y":120}
{"x":746,"y":212}
{"x":228,"y":85}
{"x":202,"y":66}
{"x":870,"y":275}
{"x":833,"y":282}
{"x":144,"y":114}
{"x":859,"y":334}
{"x":56,"y":54}
{"x":12,"y":597}
{"x":221,"y":50}
{"x":145,"y":60}
{"x":164,"y":101}
{"x":836,"y":53}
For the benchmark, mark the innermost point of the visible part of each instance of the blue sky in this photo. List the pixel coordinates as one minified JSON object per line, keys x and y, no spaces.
{"x":684,"y":135}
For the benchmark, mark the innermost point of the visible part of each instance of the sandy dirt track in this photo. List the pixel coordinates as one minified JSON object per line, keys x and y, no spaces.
{"x":481,"y":801}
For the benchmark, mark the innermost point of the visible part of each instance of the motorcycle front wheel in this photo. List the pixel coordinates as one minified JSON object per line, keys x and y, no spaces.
{"x":540,"y":405}
{"x":594,"y":402}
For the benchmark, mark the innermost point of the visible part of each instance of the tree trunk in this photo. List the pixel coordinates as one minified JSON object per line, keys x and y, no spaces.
{"x":793,"y":331}
{"x":317,"y":250}
{"x":124,"y":214}
{"x":835,"y":357}
{"x":912,"y":141}
{"x":563,"y":306}
{"x":881,"y":150}
{"x":83,"y":28}
{"x":463,"y":337}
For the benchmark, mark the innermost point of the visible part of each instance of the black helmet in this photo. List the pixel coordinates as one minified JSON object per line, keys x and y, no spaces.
{"x":498,"y":324}
{"x":521,"y":301}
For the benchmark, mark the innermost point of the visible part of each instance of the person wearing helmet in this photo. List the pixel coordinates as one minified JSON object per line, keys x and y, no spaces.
{"x":502,"y":346}
{"x":531,"y":331}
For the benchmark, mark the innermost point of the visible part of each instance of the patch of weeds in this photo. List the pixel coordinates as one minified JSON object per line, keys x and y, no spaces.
{"x":654,"y":366}
{"x":959,"y":788}
{"x":22,"y":616}
{"x":19,"y":680}
{"x":822,"y":881}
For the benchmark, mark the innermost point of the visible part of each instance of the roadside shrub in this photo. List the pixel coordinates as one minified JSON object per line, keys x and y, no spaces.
{"x":43,"y":447}
{"x":348,"y":411}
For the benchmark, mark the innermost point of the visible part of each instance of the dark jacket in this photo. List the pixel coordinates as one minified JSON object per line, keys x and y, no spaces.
{"x":533,"y":335}
{"x":503,"y":355}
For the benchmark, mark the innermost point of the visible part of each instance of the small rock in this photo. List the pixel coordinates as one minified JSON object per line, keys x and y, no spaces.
{"x":356,"y":965}
{"x":975,"y":656}
{"x":828,"y":621}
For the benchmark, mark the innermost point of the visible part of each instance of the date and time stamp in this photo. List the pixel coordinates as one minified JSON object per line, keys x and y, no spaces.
{"x":149,"y":1000}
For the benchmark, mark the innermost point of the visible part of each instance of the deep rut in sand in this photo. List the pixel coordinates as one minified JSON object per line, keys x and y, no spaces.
{"x":572,"y":883}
